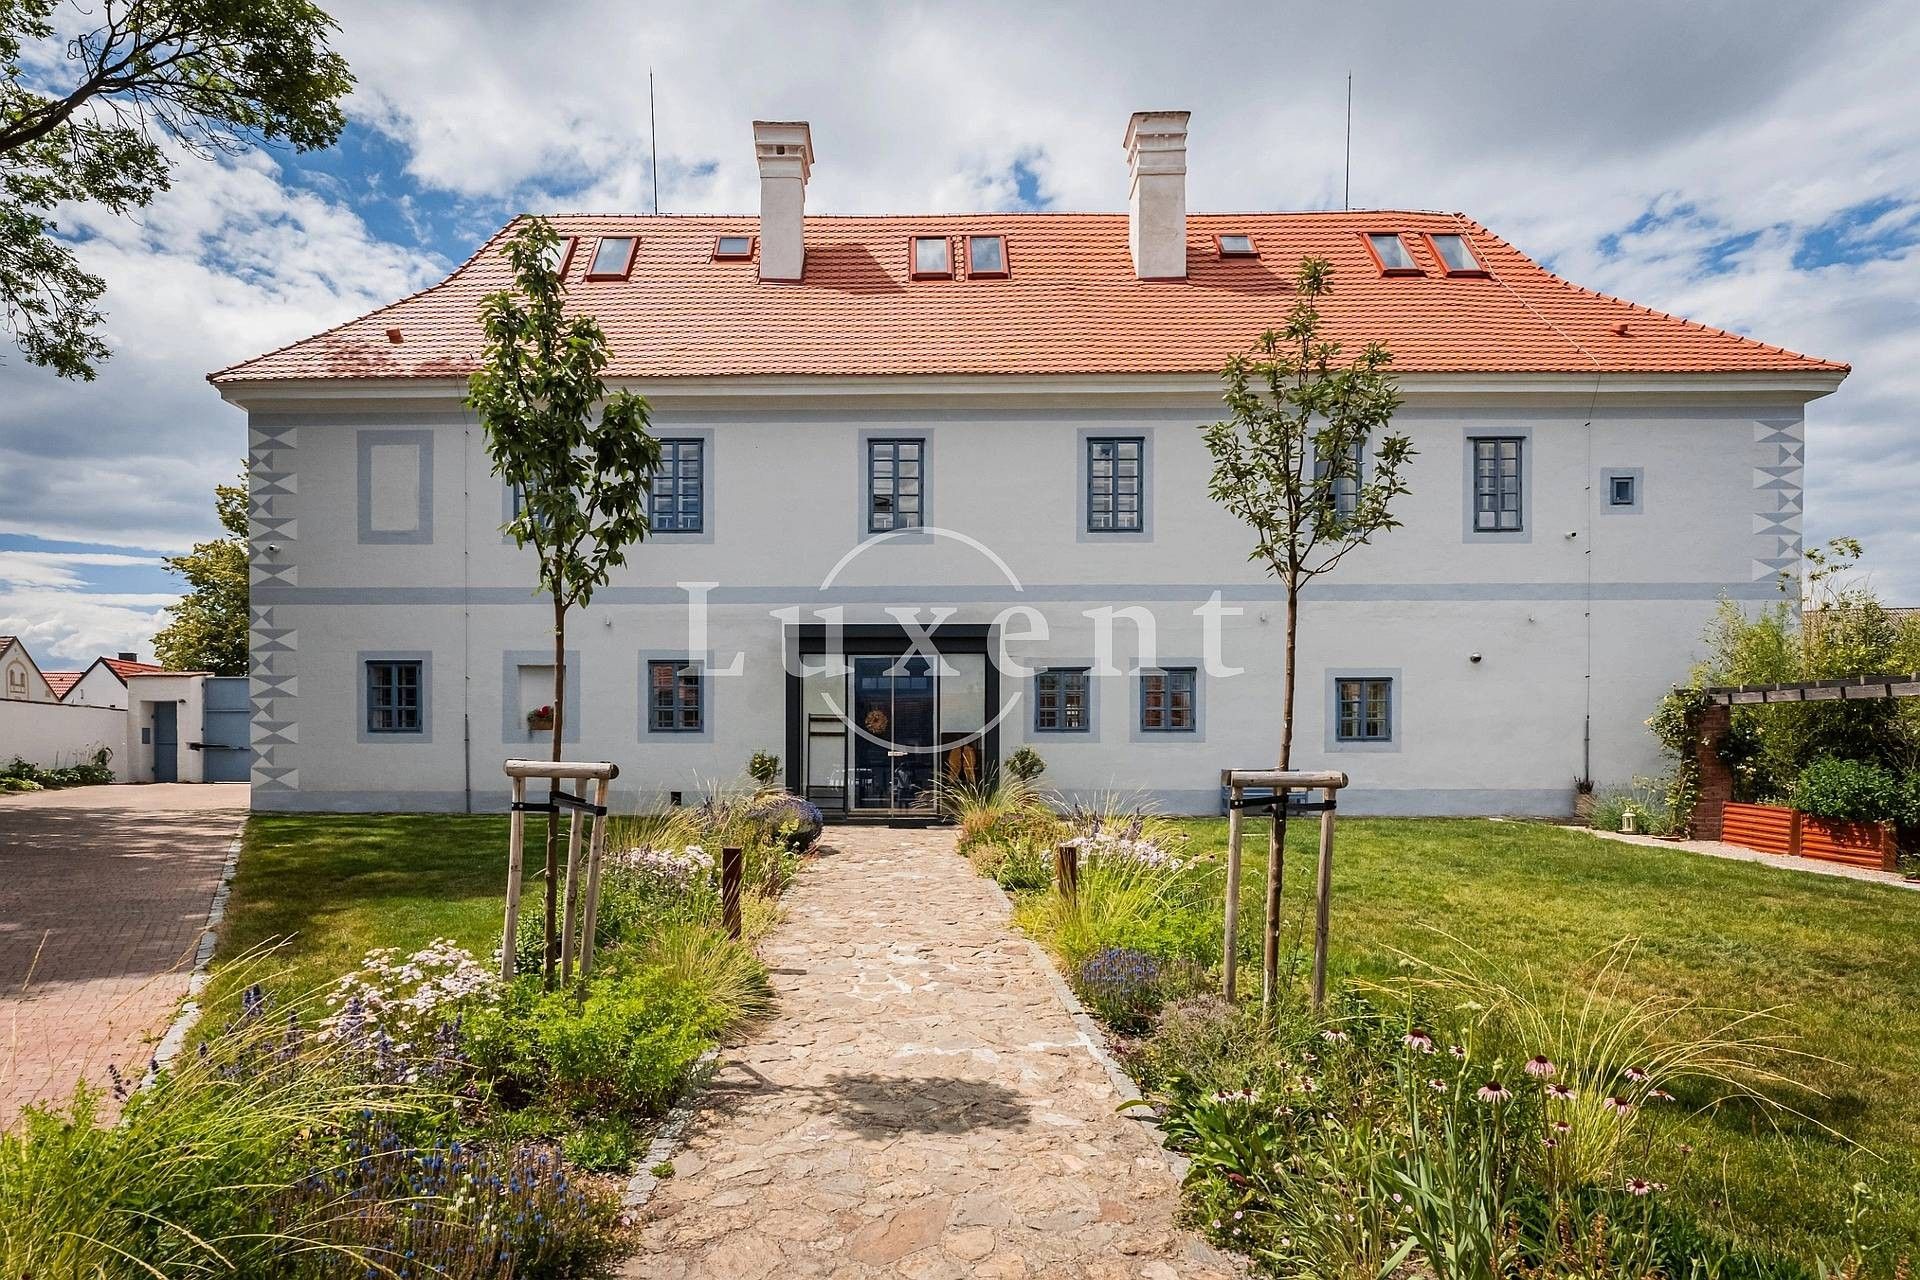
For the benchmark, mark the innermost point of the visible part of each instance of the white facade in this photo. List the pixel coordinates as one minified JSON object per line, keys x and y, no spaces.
{"x":98,"y":686}
{"x":1518,"y":661}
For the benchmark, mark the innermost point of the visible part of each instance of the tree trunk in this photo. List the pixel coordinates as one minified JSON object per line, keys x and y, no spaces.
{"x":1277,"y":835}
{"x":551,"y":935}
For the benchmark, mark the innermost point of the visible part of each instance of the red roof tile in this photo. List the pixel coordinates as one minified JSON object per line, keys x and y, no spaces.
{"x":122,"y":668}
{"x":1070,"y":305}
{"x":61,"y":681}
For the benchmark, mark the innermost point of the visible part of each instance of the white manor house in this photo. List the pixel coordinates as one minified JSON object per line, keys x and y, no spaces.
{"x":989,"y":422}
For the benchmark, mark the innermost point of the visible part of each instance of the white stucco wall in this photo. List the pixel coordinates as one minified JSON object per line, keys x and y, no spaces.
{"x":54,"y":735}
{"x":99,"y":687}
{"x":187,"y":692}
{"x":1600,"y":623}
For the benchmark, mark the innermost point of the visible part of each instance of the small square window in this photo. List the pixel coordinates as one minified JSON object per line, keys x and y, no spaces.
{"x":986,"y":256}
{"x":1456,"y":255}
{"x":393,"y":697}
{"x":612,"y":258}
{"x":1391,"y":255}
{"x":732,"y":248}
{"x":1237,"y":246}
{"x":1620,"y":491}
{"x":930,"y":259}
{"x":673,"y":697}
{"x":1060,"y":700}
{"x":1365,"y":710}
{"x":1167,"y":700}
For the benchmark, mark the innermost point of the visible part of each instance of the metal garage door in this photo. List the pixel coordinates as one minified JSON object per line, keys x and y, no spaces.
{"x":226,"y":753}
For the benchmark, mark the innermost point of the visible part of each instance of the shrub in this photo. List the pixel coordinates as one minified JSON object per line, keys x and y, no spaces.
{"x":789,"y":821}
{"x":1852,"y":791}
{"x":602,"y":1146}
{"x":1024,"y":765}
{"x":764,"y":768}
{"x":1121,"y":988}
{"x":726,"y":974}
{"x":1023,"y":867}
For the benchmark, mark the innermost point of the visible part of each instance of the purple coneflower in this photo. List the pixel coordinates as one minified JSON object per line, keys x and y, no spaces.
{"x":1541,"y":1067}
{"x":1437,"y":1085}
{"x":1493,"y":1091}
{"x":1549,"y":1143}
{"x":1458,"y":1051}
{"x":1559,"y":1092}
{"x":1619,"y":1106}
{"x":1661,"y":1095}
{"x":1418,"y":1040}
{"x":1561,"y":1126}
{"x":1635,"y":1074}
{"x":1334,"y":1035}
{"x":1639,"y":1187}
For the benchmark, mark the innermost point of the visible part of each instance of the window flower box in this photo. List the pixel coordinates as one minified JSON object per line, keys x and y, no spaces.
{"x":540,"y":719}
{"x":1772,"y":828}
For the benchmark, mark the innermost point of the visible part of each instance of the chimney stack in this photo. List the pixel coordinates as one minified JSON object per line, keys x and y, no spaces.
{"x":129,"y":657}
{"x":1157,"y":204}
{"x":784,"y":149}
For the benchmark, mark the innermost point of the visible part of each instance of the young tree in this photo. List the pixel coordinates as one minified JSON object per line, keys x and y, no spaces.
{"x":1289,"y":462}
{"x":208,"y":628}
{"x":146,"y":78}
{"x":581,"y":460}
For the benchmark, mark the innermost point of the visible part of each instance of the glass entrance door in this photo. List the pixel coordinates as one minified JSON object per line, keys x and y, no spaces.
{"x":894,"y":754}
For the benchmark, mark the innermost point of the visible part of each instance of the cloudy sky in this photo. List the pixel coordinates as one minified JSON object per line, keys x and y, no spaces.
{"x":1751,"y":165}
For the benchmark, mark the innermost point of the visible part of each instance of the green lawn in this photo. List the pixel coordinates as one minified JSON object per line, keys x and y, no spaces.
{"x":338,"y":885}
{"x":1839,"y":959}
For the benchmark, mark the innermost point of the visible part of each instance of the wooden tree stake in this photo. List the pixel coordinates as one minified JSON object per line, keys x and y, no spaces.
{"x":1066,"y":872}
{"x":1323,"y":899}
{"x":596,"y":849}
{"x":572,"y":908}
{"x":1230,"y":942}
{"x":516,"y":834}
{"x":732,"y":864}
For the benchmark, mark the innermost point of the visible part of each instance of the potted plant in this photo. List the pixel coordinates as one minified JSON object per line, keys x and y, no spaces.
{"x":540,"y":718}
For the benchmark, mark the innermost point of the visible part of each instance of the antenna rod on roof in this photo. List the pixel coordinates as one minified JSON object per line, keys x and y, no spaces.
{"x":653,"y":143}
{"x":1346,"y":199}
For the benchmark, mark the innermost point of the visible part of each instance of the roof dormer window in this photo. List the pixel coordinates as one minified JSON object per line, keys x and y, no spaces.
{"x":987,"y":257}
{"x":931,"y":258}
{"x":1391,"y":255}
{"x":1456,"y":255}
{"x":732,"y":248}
{"x":1236,"y":245}
{"x":612,"y":258}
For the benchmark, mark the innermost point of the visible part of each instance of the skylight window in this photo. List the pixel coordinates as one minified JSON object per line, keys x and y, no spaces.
{"x":1236,"y":246}
{"x":930,"y":258}
{"x":612,"y":258}
{"x":561,"y":255}
{"x":1456,"y":255}
{"x":986,"y":256}
{"x":732,"y":248}
{"x":1391,"y":255}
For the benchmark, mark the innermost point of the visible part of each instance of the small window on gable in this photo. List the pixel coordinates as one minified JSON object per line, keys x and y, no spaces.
{"x":612,"y":258}
{"x":1236,"y":246}
{"x":1391,"y":255}
{"x":732,"y":248}
{"x":1456,"y":255}
{"x":930,"y":258}
{"x":987,"y":257}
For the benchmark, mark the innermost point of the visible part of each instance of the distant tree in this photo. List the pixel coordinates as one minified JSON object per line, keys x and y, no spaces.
{"x":206,"y":76}
{"x":1288,"y":463}
{"x":581,"y":460}
{"x":208,"y":630}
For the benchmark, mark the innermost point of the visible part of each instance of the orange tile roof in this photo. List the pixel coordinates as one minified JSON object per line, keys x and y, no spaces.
{"x":122,"y":668}
{"x":61,"y":681}
{"x":1070,"y":305}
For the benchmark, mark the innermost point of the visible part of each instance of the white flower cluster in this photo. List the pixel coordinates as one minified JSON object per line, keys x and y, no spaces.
{"x":1112,"y":845}
{"x":677,"y":870}
{"x":402,"y":997}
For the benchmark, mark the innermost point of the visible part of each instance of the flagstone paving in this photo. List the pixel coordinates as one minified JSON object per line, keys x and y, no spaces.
{"x":922,"y":1105}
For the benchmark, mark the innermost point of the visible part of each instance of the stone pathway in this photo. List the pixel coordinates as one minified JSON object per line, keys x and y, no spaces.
{"x":922,"y":1105}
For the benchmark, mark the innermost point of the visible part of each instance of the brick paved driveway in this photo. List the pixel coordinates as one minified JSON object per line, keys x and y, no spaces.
{"x":103,"y":896}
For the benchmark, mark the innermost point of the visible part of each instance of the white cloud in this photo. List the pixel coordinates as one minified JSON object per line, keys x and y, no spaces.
{"x":57,"y":568}
{"x":66,"y":629}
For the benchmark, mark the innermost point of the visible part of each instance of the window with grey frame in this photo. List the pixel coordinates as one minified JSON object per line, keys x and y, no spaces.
{"x":677,"y":504}
{"x":393,"y":697}
{"x":896,"y":484}
{"x":1364,"y":706}
{"x":674,"y":697}
{"x":1167,"y":700}
{"x":1497,"y":477}
{"x":1346,"y":488}
{"x":1060,"y":700}
{"x":1620,"y":491}
{"x":1116,"y":483}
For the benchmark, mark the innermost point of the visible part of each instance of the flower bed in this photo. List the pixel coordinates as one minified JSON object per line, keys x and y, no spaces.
{"x":1772,"y":828}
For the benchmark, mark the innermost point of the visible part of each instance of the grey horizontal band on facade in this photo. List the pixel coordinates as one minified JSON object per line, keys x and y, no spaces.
{"x":1041,"y":593}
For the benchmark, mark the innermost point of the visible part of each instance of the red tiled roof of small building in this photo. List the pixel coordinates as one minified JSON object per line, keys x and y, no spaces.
{"x":1070,"y":304}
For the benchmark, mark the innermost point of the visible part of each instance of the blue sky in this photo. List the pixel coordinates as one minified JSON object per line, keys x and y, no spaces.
{"x":1733,"y":162}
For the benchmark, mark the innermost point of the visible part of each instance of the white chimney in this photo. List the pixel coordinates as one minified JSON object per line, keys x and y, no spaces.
{"x":1157,"y":204}
{"x":784,"y":149}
